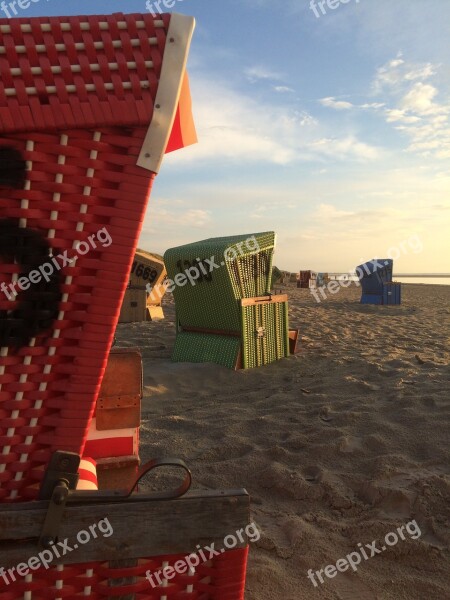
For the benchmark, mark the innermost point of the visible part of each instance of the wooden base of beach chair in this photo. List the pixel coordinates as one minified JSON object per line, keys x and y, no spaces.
{"x":117,"y":472}
{"x":293,"y":340}
{"x":147,"y":539}
{"x":113,"y":439}
{"x":154,"y":313}
{"x":390,"y":295}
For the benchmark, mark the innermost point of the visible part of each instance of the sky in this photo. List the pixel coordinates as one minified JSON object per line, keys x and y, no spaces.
{"x":329,"y":126}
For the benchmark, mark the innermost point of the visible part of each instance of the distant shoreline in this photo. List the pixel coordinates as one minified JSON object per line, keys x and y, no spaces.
{"x":427,"y":275}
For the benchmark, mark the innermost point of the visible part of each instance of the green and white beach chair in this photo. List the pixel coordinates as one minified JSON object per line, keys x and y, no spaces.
{"x":224,"y":310}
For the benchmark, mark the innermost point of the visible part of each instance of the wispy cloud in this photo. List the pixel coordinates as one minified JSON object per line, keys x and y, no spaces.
{"x":396,"y":114}
{"x":410,"y":101}
{"x":173,"y":213}
{"x":347,"y":148}
{"x":236,"y":127}
{"x":283,"y":89}
{"x":393,"y":75}
{"x":331,"y":102}
{"x":259,"y":72}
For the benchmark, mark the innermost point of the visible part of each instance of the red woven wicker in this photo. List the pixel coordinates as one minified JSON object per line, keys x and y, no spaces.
{"x":76,"y":100}
{"x":222,"y":578}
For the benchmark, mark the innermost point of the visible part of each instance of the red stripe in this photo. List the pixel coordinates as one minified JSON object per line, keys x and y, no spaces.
{"x":88,"y":476}
{"x":108,"y":448}
{"x":176,"y":136}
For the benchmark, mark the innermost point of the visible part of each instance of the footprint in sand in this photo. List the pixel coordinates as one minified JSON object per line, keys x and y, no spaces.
{"x":313,"y":474}
{"x":350,"y":587}
{"x":349,"y":444}
{"x":325,"y":414}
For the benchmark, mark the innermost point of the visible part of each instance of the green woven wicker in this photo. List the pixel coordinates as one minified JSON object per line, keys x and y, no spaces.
{"x":212,"y":324}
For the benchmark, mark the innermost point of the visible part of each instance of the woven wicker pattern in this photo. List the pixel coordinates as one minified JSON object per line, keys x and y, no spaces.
{"x":203,"y":347}
{"x":266,"y":333}
{"x":222,"y":578}
{"x":76,"y":99}
{"x":78,"y":182}
{"x":79,"y":71}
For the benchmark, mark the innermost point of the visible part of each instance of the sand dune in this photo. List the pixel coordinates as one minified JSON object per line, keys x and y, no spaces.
{"x":340,"y":444}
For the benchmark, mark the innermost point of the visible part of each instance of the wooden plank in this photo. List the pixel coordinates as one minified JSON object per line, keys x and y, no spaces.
{"x":119,"y":400}
{"x":179,"y":35}
{"x":264,"y":300}
{"x":293,"y":340}
{"x":140,"y":527}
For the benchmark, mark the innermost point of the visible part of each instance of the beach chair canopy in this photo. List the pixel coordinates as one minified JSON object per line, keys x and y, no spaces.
{"x":243,"y":270}
{"x":88,"y":107}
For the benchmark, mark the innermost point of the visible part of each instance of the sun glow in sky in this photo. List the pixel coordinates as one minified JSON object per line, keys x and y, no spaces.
{"x":332,"y":130}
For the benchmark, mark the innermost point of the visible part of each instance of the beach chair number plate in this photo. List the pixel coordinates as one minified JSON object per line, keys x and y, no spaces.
{"x":147,"y":273}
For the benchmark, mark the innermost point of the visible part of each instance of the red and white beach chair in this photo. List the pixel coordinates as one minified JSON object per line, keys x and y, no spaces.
{"x":88,"y":107}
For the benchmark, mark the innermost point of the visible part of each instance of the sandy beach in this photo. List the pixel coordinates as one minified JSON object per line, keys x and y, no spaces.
{"x":338,"y":445}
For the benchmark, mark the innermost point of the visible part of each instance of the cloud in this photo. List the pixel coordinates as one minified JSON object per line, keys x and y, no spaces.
{"x":421,"y":72}
{"x":331,"y":102}
{"x":407,"y":203}
{"x":413,"y":106}
{"x":358,"y":213}
{"x":283,"y":89}
{"x":395,"y":114}
{"x":397,"y":72}
{"x":258,"y":73}
{"x":419,"y":100}
{"x":330,"y":212}
{"x":238,"y":128}
{"x":172,"y":214}
{"x":388,"y":75}
{"x":372,"y":105}
{"x":337,"y":104}
{"x":346,"y":148}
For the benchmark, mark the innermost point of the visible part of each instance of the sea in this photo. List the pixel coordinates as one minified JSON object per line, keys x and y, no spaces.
{"x":442,"y":279}
{"x":426,"y":280}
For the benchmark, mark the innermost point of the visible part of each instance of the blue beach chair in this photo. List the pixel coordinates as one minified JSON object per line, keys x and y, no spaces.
{"x":375,"y":277}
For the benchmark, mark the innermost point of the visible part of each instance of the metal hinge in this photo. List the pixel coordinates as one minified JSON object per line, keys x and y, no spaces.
{"x":60,"y":477}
